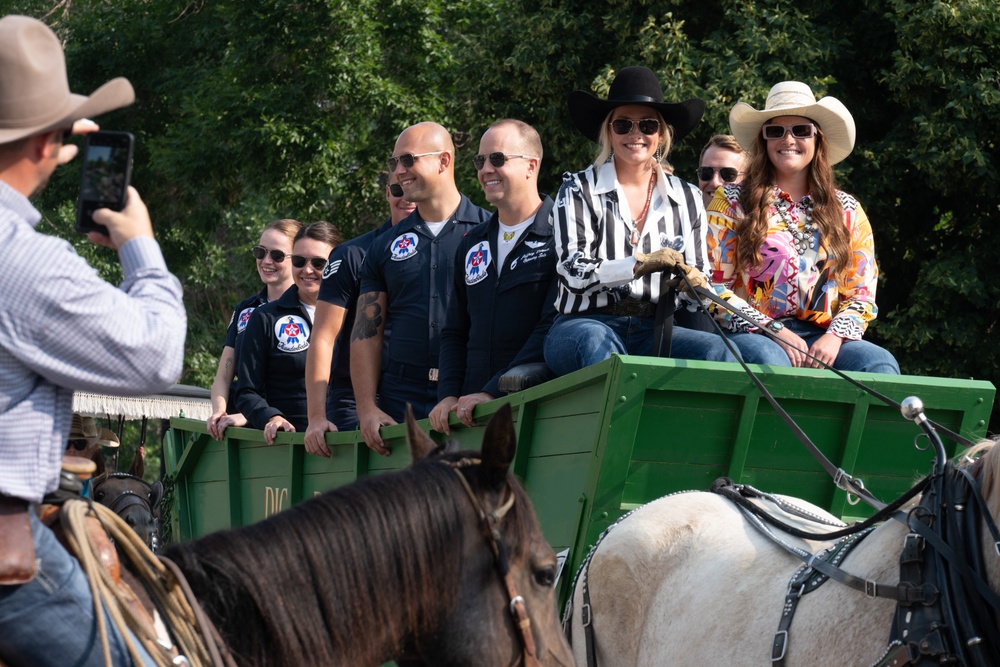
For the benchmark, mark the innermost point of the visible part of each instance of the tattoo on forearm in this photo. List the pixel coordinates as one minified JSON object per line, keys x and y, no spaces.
{"x":229,"y":364}
{"x":368,"y":318}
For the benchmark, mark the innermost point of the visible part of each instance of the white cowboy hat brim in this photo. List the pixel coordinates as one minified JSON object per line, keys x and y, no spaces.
{"x":829,"y":113}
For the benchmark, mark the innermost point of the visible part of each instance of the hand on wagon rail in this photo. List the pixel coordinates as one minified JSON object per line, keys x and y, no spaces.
{"x":275,"y":424}
{"x":316,"y":437}
{"x":370,"y":421}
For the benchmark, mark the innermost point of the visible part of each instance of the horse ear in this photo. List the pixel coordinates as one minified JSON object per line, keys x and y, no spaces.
{"x":499,"y":445}
{"x":155,"y":494}
{"x":138,"y":467}
{"x":420,"y":443}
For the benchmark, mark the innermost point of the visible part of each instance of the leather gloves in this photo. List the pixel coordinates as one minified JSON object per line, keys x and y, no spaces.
{"x":663,"y":259}
{"x":694,"y":278}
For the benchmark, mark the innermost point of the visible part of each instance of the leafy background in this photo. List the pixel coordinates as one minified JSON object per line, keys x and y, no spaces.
{"x":250,"y":110}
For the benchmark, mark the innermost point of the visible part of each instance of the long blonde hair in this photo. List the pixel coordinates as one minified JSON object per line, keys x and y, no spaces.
{"x":757,"y":196}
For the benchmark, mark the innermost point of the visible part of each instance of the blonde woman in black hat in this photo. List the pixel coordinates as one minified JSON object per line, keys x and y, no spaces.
{"x":621,"y":226}
{"x":791,"y":250}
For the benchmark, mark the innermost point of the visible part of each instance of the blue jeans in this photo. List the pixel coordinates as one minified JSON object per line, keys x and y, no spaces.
{"x":342,"y":409}
{"x":50,"y":620}
{"x":854,"y":355}
{"x":577,"y":341}
{"x":395,"y":391}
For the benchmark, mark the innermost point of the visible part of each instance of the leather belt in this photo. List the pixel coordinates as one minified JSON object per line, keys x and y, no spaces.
{"x":411,"y":372}
{"x":628,"y":307}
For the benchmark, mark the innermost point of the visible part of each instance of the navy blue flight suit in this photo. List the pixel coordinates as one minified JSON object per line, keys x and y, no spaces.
{"x":500,"y":321}
{"x":272,"y":369}
{"x":340,"y":288}
{"x":416,"y":271}
{"x":237,"y":323}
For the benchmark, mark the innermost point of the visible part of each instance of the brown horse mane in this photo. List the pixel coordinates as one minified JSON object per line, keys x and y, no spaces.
{"x":350,"y":577}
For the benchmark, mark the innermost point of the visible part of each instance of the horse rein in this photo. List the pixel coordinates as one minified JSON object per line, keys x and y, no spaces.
{"x":490,"y":521}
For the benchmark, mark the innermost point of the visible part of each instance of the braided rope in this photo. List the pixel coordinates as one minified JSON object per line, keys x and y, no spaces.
{"x":188,"y":628}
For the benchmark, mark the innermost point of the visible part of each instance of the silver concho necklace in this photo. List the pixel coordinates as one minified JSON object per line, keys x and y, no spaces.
{"x":801,"y":238}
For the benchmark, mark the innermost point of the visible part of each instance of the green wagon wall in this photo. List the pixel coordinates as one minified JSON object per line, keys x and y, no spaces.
{"x":594,"y":444}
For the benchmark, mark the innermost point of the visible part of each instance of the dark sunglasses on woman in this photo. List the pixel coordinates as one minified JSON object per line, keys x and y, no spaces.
{"x":728,"y":174}
{"x":260,"y":252}
{"x":647,"y":126}
{"x":803,"y":131}
{"x":318,"y":263}
{"x":79,"y":444}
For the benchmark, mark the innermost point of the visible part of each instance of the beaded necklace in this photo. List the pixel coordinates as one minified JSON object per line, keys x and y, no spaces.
{"x":638,"y":223}
{"x":802,"y":239}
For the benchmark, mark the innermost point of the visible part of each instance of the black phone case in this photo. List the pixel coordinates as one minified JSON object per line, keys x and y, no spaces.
{"x":121,"y":145}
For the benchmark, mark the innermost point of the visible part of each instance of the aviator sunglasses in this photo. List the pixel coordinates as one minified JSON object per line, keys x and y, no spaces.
{"x":79,"y":444}
{"x":803,"y":131}
{"x":728,"y":174}
{"x":260,"y":252}
{"x":648,"y":126}
{"x":496,"y":159}
{"x":396,"y":190}
{"x":318,"y":263}
{"x":406,"y":159}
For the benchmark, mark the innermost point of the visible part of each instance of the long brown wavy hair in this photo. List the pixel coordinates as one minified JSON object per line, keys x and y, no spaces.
{"x":757,"y":195}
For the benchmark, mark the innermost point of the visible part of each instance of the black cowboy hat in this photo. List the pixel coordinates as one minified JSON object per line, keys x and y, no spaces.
{"x":633,"y":85}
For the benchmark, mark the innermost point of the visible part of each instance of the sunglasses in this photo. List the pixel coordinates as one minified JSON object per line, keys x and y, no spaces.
{"x":774,"y":132}
{"x":318,"y":263}
{"x":728,"y":174}
{"x":648,"y":126}
{"x":79,"y":444}
{"x":407,"y":159}
{"x":496,"y":159}
{"x":396,"y":190}
{"x":260,"y":252}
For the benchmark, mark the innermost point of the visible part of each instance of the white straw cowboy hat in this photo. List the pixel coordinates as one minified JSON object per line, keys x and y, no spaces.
{"x":632,"y":85}
{"x":34,"y":90}
{"x":794,"y":98}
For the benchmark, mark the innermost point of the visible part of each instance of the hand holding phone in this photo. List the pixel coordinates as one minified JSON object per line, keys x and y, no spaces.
{"x":107,"y":169}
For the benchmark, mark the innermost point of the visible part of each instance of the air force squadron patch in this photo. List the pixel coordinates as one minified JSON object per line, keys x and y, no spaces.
{"x":292,"y":333}
{"x":404,"y":247}
{"x":477,"y":261}
{"x":244,"y":317}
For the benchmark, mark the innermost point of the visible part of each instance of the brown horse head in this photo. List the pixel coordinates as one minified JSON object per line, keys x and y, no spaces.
{"x":392,"y":567}
{"x":134,"y":500}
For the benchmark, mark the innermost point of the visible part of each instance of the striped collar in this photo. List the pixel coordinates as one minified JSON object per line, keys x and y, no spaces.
{"x":667,"y":186}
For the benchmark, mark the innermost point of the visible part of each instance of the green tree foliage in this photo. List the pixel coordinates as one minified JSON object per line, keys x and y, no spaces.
{"x":255,"y":109}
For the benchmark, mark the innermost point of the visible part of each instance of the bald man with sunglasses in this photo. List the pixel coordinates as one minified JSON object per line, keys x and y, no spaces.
{"x":406,"y":282}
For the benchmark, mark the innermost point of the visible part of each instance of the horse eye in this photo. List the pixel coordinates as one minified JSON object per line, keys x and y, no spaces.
{"x":99,"y":496}
{"x":546,"y":576}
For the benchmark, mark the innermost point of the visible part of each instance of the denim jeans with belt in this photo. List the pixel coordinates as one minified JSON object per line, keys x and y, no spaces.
{"x":50,"y":620}
{"x":577,"y":341}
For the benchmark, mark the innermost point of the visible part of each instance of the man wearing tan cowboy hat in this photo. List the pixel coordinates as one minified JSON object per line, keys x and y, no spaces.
{"x":62,"y":328}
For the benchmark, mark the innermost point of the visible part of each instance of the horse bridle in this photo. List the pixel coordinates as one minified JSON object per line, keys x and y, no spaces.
{"x":129,"y":498}
{"x":490,"y":521}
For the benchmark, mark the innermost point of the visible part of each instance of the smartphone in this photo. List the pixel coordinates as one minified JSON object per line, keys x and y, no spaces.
{"x":107,"y":169}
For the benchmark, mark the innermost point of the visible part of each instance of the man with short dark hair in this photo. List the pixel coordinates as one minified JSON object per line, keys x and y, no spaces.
{"x":406,"y":280}
{"x":62,"y":328}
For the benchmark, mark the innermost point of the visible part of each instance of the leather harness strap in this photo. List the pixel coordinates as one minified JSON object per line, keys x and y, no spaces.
{"x":491,"y":523}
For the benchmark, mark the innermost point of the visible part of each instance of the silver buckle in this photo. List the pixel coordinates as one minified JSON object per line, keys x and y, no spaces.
{"x":780,"y":639}
{"x":585,"y":615}
{"x":432,"y":374}
{"x":871,"y":588}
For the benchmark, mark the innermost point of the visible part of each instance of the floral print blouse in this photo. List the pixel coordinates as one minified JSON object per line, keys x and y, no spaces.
{"x":790,"y":283}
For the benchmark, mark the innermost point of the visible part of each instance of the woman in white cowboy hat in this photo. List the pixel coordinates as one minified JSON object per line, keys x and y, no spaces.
{"x":788,"y":248}
{"x":622,"y":222}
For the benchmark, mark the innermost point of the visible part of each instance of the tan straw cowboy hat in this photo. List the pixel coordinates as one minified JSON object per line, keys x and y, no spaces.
{"x":794,"y":98}
{"x":34,"y":90}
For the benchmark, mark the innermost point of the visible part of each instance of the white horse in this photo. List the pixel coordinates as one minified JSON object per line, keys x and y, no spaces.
{"x":686,"y":580}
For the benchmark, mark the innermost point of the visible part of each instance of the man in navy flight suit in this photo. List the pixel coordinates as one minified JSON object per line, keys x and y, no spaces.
{"x":505,"y":288}
{"x":406,"y":280}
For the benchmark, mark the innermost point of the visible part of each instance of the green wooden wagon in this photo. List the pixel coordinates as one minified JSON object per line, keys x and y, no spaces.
{"x":598,"y":442}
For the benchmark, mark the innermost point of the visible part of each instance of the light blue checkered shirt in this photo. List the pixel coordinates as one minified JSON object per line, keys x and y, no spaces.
{"x":63,"y":328}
